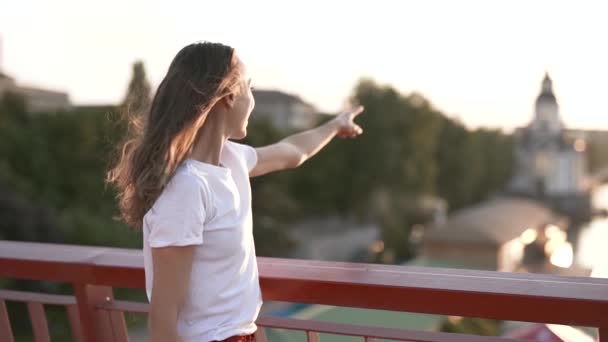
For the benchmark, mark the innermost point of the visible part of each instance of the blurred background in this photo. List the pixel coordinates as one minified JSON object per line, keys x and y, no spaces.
{"x":485,"y":144}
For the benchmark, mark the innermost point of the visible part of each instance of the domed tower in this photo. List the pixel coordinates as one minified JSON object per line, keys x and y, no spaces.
{"x":551,"y":162}
{"x":546,"y":122}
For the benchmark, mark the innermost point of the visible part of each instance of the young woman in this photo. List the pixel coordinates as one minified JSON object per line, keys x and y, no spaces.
{"x":185,"y":183}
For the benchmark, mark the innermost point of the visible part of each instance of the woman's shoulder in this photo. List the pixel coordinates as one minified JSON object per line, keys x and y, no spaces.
{"x":245,"y":152}
{"x":184,"y":189}
{"x":186,"y":177}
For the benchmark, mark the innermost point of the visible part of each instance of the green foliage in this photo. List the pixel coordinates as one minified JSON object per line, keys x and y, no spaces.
{"x":471,"y":326}
{"x":472,"y":164}
{"x":52,"y":177}
{"x":14,"y":108}
{"x":272,"y":204}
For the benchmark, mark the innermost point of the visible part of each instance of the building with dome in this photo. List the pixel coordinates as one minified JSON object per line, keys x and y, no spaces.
{"x":36,"y":99}
{"x":550,"y":161}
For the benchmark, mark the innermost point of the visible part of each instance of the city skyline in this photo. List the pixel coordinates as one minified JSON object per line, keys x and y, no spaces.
{"x":482,"y":63}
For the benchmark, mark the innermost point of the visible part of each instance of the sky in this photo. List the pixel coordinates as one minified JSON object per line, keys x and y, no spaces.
{"x":479,"y":61}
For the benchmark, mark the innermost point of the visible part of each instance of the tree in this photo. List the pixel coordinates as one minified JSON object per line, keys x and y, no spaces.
{"x":472,"y":164}
{"x":471,"y":326}
{"x":459,"y":164}
{"x":138,"y":98}
{"x":273,"y":203}
{"x":12,"y":108}
{"x":391,"y":169}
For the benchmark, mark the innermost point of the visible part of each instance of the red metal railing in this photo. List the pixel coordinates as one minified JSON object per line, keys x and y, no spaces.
{"x":96,"y":316}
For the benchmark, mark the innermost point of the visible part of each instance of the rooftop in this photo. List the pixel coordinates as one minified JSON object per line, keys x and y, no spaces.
{"x":492,"y":221}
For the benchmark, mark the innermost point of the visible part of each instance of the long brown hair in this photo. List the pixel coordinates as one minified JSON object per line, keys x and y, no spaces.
{"x":158,"y":141}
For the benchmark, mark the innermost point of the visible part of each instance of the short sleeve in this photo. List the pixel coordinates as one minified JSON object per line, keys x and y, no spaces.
{"x":249,"y":154}
{"x":177,"y":217}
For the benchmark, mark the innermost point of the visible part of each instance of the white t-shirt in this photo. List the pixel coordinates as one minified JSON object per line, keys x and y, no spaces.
{"x":210,"y":206}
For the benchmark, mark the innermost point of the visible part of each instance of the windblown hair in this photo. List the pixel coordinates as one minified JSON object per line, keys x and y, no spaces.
{"x":160,"y":139}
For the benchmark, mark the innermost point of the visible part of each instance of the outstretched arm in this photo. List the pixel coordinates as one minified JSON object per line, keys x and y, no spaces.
{"x":294,"y":150}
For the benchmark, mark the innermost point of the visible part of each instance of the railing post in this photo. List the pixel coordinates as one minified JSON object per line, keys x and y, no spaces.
{"x":6,"y":331}
{"x":75,"y":325}
{"x":312,"y":336}
{"x":260,"y":335}
{"x":39,"y":322}
{"x":99,"y":325}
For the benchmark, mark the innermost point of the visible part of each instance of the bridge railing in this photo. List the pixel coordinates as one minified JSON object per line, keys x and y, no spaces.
{"x":95,"y":315}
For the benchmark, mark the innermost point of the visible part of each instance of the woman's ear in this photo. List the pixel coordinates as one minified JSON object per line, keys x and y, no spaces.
{"x":228,"y":100}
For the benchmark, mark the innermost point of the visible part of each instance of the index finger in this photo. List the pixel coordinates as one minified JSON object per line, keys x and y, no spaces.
{"x":356,"y":111}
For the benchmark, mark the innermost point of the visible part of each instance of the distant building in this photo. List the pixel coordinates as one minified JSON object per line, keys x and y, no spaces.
{"x":285,"y":111}
{"x":596,"y":148}
{"x":42,"y":100}
{"x":487,"y":236}
{"x":550,"y":161}
{"x":36,"y":99}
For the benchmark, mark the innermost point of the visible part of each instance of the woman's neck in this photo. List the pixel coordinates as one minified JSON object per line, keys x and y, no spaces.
{"x":210,"y":141}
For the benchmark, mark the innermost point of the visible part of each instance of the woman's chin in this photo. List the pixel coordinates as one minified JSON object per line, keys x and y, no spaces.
{"x":239,"y":135}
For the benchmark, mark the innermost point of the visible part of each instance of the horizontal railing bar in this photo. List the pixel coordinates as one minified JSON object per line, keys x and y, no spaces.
{"x":438,"y":279}
{"x":125,"y":306}
{"x":507,"y":296}
{"x":371,"y":331}
{"x":35,"y":297}
{"x":328,"y":327}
